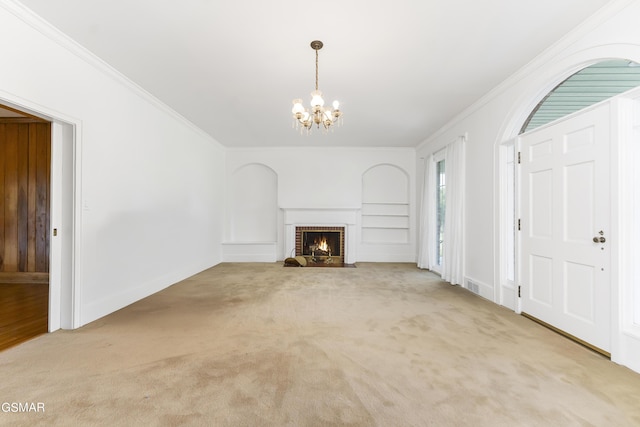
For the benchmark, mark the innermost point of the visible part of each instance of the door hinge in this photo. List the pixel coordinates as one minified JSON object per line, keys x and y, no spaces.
{"x":519,"y":158}
{"x":519,"y":292}
{"x":518,"y":224}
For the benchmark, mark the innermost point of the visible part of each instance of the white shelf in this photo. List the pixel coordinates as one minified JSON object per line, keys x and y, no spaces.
{"x":385,"y":228}
{"x":402,"y":215}
{"x":385,"y":235}
{"x":385,"y":222}
{"x":385,"y":203}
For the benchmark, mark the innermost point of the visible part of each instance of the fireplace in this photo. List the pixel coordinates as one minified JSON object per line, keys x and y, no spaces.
{"x":321,"y":245}
{"x":330,"y":219}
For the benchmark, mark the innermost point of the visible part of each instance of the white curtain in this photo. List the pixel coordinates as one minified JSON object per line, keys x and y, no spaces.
{"x":427,"y":225}
{"x":453,"y":249}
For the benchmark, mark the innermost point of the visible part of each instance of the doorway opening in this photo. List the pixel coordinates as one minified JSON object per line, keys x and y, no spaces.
{"x":38,"y":231}
{"x":25,"y":177}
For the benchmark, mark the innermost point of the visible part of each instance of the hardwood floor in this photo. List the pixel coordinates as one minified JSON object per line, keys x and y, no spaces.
{"x":24,"y":309}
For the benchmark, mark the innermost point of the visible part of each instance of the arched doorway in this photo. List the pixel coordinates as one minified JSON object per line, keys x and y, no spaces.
{"x":566,"y":101}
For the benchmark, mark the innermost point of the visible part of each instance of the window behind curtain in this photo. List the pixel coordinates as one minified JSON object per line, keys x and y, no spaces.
{"x":440,"y":209}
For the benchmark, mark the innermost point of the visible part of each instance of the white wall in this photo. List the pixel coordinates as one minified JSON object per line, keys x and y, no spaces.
{"x":326,"y":179}
{"x":612,"y":33}
{"x":149,"y":185}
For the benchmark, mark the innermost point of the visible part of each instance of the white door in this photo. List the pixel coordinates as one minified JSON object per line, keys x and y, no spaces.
{"x":565,"y":205}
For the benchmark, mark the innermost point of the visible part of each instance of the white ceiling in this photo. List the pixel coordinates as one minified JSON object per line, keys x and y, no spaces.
{"x":401,"y":69}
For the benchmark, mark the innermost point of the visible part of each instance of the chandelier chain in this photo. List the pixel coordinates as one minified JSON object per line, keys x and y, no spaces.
{"x":316,"y":69}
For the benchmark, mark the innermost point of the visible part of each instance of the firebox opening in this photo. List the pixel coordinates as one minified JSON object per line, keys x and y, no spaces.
{"x":321,"y":243}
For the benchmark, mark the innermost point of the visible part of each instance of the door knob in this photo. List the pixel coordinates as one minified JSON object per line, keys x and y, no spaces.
{"x":599,"y":239}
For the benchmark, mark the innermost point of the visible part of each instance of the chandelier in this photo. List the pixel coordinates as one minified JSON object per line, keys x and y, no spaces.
{"x":304,"y":119}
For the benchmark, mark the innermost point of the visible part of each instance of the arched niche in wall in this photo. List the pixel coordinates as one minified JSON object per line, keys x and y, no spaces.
{"x":385,"y":205}
{"x":253,"y":201}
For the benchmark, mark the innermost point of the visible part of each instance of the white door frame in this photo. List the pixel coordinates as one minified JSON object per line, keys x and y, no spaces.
{"x":66,"y":214}
{"x":505,"y":291}
{"x":64,"y":276}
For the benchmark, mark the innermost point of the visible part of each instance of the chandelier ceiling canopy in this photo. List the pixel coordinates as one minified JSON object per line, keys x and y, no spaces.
{"x":305,"y":118}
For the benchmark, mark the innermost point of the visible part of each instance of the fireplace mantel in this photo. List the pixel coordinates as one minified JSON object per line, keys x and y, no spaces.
{"x":343,"y":217}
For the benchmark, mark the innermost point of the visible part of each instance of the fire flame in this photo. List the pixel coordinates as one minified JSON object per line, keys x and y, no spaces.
{"x":322,"y":244}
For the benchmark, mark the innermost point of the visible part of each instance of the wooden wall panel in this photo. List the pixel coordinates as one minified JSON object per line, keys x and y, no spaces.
{"x":31,"y":203}
{"x":23,"y":184}
{"x":43,"y":166}
{"x":11,"y":199}
{"x":25,"y":190}
{"x":3,"y":161}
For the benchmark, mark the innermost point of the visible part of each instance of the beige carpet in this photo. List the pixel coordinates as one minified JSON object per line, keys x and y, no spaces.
{"x":263,"y":345}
